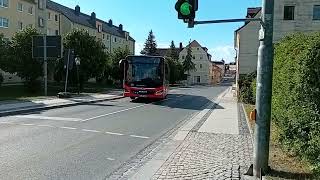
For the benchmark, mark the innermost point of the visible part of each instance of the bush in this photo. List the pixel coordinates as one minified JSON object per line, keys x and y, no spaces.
{"x":246,"y":93}
{"x":296,"y":92}
{"x":1,"y":79}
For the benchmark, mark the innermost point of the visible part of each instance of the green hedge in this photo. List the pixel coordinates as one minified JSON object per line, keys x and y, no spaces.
{"x":296,"y":95}
{"x":1,"y":79}
{"x":245,"y":86}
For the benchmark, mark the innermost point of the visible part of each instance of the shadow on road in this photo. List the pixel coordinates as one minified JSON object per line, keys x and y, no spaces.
{"x":289,"y":175}
{"x":180,"y":101}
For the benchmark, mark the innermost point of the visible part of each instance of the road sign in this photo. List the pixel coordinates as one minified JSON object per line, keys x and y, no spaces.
{"x":54,"y":47}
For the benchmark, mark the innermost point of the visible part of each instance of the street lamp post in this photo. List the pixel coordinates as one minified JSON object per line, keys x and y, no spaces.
{"x":78,"y":61}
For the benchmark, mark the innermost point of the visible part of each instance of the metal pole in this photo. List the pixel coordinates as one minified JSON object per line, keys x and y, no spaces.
{"x":264,"y":91}
{"x":67,"y":73}
{"x":45,"y":65}
{"x":78,"y":79}
{"x":225,"y":21}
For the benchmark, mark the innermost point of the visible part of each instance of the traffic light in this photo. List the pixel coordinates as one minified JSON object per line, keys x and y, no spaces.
{"x":187,"y":9}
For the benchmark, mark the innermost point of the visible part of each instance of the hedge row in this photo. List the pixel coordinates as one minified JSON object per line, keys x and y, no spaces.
{"x":296,"y":95}
{"x":247,"y":94}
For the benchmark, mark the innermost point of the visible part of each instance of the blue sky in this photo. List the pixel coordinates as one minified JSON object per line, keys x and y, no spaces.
{"x":140,"y":16}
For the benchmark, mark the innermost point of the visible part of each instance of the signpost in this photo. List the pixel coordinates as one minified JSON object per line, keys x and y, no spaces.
{"x":68,"y":65}
{"x":44,"y":47}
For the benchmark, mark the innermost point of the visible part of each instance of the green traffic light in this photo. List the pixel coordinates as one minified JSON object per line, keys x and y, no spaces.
{"x":185,"y":9}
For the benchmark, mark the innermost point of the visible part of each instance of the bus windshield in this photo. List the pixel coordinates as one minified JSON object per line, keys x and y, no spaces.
{"x":144,"y":72}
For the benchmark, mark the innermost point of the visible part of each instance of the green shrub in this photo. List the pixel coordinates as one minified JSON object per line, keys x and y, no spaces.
{"x":1,"y":79}
{"x":246,"y":93}
{"x":296,"y":95}
{"x":254,"y":89}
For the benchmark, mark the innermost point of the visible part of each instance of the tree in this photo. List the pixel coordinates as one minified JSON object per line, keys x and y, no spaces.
{"x":92,"y":53}
{"x":150,"y":46}
{"x":174,"y":64}
{"x":19,"y":59}
{"x":188,"y":65}
{"x":114,"y":69}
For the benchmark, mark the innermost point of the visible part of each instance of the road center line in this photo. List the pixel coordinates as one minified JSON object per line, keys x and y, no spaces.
{"x":47,"y":118}
{"x":112,"y":133}
{"x":110,"y":159}
{"x":142,"y":137}
{"x":68,"y":128}
{"x":45,"y":126}
{"x":27,"y":124}
{"x":89,"y":130}
{"x":104,"y":115}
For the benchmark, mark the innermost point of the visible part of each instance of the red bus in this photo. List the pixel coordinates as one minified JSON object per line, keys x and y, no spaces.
{"x":145,"y":77}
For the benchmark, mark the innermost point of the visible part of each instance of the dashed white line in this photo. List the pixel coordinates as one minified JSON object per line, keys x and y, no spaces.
{"x":43,"y":125}
{"x":104,"y":115}
{"x":6,"y":123}
{"x":112,"y":133}
{"x":48,"y":118}
{"x":110,"y":159}
{"x":142,"y":137}
{"x":27,"y":124}
{"x":68,"y":128}
{"x":89,"y":130}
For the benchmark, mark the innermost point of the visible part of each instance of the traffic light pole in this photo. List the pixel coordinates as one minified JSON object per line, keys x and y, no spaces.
{"x":45,"y":65}
{"x":264,"y":84}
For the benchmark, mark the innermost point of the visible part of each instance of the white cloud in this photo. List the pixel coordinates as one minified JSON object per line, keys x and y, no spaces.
{"x":223,"y":52}
{"x":140,"y":45}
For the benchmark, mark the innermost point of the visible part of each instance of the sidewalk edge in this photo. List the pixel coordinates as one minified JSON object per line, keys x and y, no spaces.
{"x":248,"y":123}
{"x":173,"y":144}
{"x":56,"y":106}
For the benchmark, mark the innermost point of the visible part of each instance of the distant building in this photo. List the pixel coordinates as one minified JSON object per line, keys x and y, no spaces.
{"x":51,"y":18}
{"x":200,"y":57}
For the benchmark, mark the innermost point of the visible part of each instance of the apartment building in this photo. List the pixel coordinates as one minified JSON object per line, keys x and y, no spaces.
{"x":55,"y":19}
{"x":290,"y":16}
{"x":200,"y":57}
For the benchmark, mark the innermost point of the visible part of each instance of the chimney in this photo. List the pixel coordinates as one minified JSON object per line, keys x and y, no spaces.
{"x":77,"y":10}
{"x":121,"y":27}
{"x":181,"y":46}
{"x":110,"y":22}
{"x":93,"y":16}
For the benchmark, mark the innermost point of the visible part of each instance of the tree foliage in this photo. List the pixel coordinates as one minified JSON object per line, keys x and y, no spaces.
{"x":246,"y":85}
{"x":150,"y":46}
{"x":176,"y":69}
{"x":19,"y":58}
{"x":188,"y":64}
{"x":114,"y":69}
{"x":296,"y":92}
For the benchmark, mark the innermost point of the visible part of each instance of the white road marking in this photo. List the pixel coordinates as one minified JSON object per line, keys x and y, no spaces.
{"x":89,"y":130}
{"x":68,"y":128}
{"x":110,"y":159}
{"x":27,"y":124}
{"x":43,"y":125}
{"x":6,"y":123}
{"x":48,"y":118}
{"x":142,"y":137}
{"x":112,"y":133}
{"x":104,"y":115}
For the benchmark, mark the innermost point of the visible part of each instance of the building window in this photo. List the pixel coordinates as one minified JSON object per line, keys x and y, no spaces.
{"x":198,"y":49}
{"x":103,"y":36}
{"x":20,"y":25}
{"x":56,"y":18}
{"x":41,"y":22}
{"x":200,"y":66}
{"x":4,"y":22}
{"x":57,"y":32}
{"x":99,"y":28}
{"x":107,"y":37}
{"x":49,"y":15}
{"x":4,"y":3}
{"x":201,"y":57}
{"x":115,"y":39}
{"x":20,"y":7}
{"x":197,"y":79}
{"x":194,"y":57}
{"x":30,"y":10}
{"x":316,"y":12}
{"x":40,"y":4}
{"x":288,"y":13}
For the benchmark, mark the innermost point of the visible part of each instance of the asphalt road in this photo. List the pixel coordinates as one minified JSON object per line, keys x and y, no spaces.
{"x":90,"y":141}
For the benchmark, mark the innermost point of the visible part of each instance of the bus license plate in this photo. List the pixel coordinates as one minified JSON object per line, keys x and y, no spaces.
{"x":142,"y":95}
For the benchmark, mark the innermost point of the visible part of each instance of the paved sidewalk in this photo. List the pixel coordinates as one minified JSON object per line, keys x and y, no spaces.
{"x":12,"y":107}
{"x":219,"y":146}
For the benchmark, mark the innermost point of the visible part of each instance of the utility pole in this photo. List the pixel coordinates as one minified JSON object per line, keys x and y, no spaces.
{"x":264,"y":91}
{"x":45,"y":65}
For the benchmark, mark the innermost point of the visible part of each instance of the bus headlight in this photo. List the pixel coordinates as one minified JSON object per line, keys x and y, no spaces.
{"x":160,"y":92}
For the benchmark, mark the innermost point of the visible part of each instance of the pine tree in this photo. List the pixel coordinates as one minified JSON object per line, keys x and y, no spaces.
{"x":150,"y":46}
{"x":173,"y":54}
{"x":188,"y":65}
{"x":174,"y":64}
